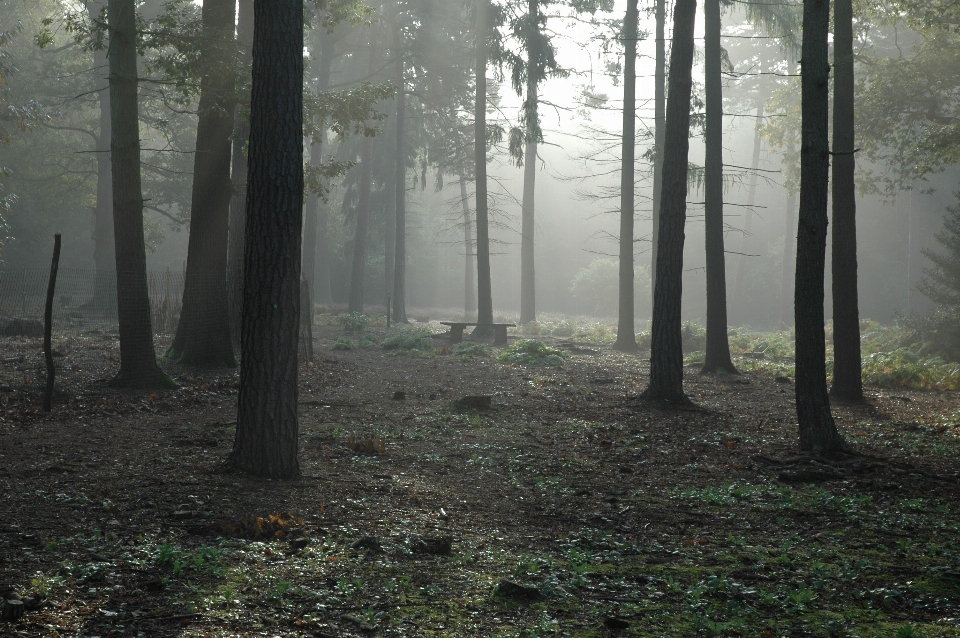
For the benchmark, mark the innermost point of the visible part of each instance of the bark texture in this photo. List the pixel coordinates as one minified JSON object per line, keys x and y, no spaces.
{"x":666,"y":352}
{"x":267,"y":428}
{"x":203,"y":332}
{"x":626,"y":333}
{"x":484,"y":288}
{"x":847,"y":379}
{"x":818,"y":433}
{"x":718,"y":347}
{"x":659,"y":119}
{"x":138,"y":360}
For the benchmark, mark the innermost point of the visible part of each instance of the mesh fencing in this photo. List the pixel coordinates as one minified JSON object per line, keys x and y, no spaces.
{"x":83,"y":299}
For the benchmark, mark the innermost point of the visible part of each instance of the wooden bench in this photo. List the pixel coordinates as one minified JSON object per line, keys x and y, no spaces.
{"x":499,"y":330}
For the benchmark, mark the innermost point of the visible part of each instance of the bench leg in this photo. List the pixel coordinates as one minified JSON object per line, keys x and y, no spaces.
{"x":456,"y":334}
{"x":499,"y":335}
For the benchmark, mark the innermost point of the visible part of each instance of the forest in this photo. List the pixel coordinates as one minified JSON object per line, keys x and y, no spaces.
{"x":512,"y":318}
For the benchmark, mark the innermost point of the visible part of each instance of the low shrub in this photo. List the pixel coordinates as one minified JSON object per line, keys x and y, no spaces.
{"x":907,"y":369}
{"x":344,"y":344}
{"x":468,"y":351}
{"x":531,"y":352}
{"x":413,"y":342}
{"x":353,"y":321}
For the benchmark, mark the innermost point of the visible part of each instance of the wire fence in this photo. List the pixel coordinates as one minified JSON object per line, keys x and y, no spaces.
{"x":83,"y":299}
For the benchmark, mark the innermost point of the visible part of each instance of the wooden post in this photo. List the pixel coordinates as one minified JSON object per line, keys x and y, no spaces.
{"x":48,"y":321}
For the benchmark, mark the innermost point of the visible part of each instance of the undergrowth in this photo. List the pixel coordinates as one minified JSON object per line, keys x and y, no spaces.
{"x":531,"y":352}
{"x":414,"y":342}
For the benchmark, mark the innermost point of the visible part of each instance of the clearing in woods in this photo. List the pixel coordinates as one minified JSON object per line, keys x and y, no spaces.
{"x":568,"y":508}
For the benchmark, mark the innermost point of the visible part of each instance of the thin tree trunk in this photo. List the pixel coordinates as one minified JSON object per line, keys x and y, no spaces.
{"x":913,"y":251}
{"x":818,"y":433}
{"x":400,"y":194}
{"x":528,"y":290}
{"x":469,"y":289}
{"x":238,"y":176}
{"x":359,"y":264}
{"x":666,"y":348}
{"x":104,"y":255}
{"x":718,"y":347}
{"x":659,"y":118}
{"x":737,"y":300}
{"x":138,"y":360}
{"x":484,"y":288}
{"x":311,"y":211}
{"x":626,"y":335}
{"x":789,"y":243}
{"x":267,"y":430}
{"x":847,"y":380}
{"x":203,"y":332}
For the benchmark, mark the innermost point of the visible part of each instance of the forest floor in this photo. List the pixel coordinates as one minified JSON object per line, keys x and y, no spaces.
{"x":569,"y":508}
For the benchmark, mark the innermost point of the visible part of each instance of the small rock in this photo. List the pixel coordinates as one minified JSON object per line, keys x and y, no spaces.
{"x":439,"y":546}
{"x":516,"y":591}
{"x":399,"y":396}
{"x":11,"y":610}
{"x":371,"y":543}
{"x":615,"y":624}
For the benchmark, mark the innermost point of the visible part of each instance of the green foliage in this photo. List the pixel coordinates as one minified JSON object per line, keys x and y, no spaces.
{"x":907,"y":369}
{"x":468,"y":351}
{"x":342,"y":343}
{"x":936,"y":333}
{"x":353,"y":321}
{"x":414,"y":342}
{"x":531,"y":352}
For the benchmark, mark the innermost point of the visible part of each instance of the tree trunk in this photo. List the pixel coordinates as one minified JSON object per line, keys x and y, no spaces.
{"x":203,"y":332}
{"x":913,"y":251}
{"x":400,"y":184}
{"x":718,"y":347}
{"x":666,"y":349}
{"x":267,"y":428}
{"x":789,"y":239}
{"x":818,"y":433}
{"x":469,"y":290}
{"x":311,"y":211}
{"x":528,"y":290}
{"x":847,"y":379}
{"x":359,"y":265}
{"x":737,"y":301}
{"x":138,"y":360}
{"x":626,"y":335}
{"x":484,"y":289}
{"x":659,"y":118}
{"x":238,"y":176}
{"x":104,"y":298}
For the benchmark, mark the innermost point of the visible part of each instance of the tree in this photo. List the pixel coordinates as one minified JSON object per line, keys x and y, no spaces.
{"x":818,"y":432}
{"x":847,"y":375}
{"x":104,"y":258}
{"x":267,"y":429}
{"x":626,"y":335}
{"x":469,"y":287}
{"x":203,"y":332}
{"x":666,"y":349}
{"x":315,"y":246}
{"x":539,"y":63}
{"x":718,"y":347}
{"x":238,"y":174}
{"x":941,"y":282}
{"x":484,"y":289}
{"x":659,"y":118}
{"x":138,"y":360}
{"x":400,"y":184}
